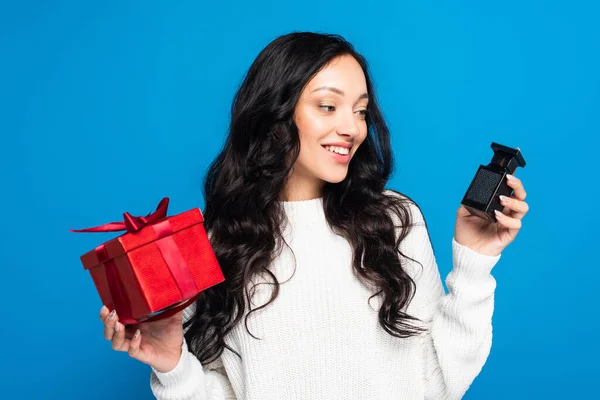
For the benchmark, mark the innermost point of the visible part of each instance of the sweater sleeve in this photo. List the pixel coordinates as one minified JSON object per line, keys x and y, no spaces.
{"x":189,"y":380}
{"x":458,"y":338}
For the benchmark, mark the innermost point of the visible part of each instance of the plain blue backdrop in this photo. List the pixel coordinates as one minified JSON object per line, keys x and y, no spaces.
{"x":108,"y":106}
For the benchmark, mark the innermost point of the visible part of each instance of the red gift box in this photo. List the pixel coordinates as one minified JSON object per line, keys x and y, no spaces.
{"x":158,"y":267}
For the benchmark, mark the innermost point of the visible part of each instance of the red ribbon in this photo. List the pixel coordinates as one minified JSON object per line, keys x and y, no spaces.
{"x":166,"y":245}
{"x":131,"y":223}
{"x":117,"y":293}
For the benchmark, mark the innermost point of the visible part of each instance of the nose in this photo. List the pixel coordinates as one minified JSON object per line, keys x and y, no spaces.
{"x":347,"y":125}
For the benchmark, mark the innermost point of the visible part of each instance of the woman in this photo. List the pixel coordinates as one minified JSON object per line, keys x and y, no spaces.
{"x":332,"y":289}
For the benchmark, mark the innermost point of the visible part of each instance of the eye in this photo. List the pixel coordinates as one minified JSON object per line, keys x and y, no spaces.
{"x":363,"y":113}
{"x":327,"y":108}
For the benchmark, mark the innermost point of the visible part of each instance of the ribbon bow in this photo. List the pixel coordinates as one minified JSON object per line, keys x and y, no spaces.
{"x":132,"y":223}
{"x":173,"y":258}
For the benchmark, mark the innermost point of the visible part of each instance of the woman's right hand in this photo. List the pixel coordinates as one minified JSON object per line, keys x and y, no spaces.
{"x":156,"y":343}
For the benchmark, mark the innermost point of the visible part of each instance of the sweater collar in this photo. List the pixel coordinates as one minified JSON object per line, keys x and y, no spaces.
{"x":304,"y":211}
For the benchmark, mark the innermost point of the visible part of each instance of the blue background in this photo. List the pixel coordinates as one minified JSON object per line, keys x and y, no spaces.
{"x":108,"y":107}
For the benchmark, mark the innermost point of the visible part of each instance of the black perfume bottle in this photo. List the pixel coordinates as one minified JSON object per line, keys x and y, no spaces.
{"x":483,"y":194}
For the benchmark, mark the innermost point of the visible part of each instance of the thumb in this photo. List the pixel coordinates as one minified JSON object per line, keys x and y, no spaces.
{"x":462,"y":212}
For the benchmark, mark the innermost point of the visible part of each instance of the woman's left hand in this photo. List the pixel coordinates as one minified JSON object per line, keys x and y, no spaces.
{"x":487,"y":237}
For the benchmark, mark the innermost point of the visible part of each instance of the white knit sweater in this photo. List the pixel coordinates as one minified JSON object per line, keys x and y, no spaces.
{"x":320,"y":339}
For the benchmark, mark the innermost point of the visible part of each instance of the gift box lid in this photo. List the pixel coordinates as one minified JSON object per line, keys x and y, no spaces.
{"x":129,"y":241}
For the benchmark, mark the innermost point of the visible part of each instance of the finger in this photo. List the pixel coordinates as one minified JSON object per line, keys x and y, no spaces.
{"x":119,"y":342}
{"x":462,"y":211}
{"x":515,"y":208}
{"x":103,"y":313}
{"x":134,"y":344}
{"x":517,"y":186}
{"x":109,"y":325}
{"x":513,"y":224}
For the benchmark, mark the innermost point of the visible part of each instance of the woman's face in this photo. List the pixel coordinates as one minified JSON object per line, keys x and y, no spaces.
{"x":330,"y":116}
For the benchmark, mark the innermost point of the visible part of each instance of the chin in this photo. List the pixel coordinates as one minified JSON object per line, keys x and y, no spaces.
{"x":335,"y":178}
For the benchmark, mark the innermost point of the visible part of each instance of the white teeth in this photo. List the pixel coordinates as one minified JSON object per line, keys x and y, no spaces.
{"x":339,"y":150}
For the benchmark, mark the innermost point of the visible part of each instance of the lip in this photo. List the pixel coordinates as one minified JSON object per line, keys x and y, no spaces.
{"x":339,"y":144}
{"x":339,"y":158}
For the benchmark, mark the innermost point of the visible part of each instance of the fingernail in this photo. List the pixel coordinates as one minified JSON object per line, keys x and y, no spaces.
{"x":510,"y":177}
{"x":499,"y":214}
{"x":504,"y":199}
{"x":136,"y":334}
{"x":103,"y":310}
{"x":117,"y":327}
{"x":112,"y":315}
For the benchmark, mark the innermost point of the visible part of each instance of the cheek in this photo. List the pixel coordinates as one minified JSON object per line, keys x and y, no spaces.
{"x":360,"y":139}
{"x":363,"y":134}
{"x":311,"y":130}
{"x":310,"y":122}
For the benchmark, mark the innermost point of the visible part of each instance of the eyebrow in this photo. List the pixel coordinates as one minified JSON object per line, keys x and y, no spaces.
{"x":338,"y":91}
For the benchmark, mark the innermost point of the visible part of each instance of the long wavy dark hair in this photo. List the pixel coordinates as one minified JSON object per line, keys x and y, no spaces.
{"x":244,"y":183}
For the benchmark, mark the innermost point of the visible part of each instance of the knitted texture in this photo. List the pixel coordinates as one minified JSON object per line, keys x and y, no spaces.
{"x":320,"y":339}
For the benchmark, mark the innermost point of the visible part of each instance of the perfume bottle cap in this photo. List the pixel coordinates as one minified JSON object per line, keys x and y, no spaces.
{"x":507,"y":158}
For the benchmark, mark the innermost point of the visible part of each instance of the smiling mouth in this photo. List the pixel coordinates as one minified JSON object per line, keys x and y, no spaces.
{"x":342,"y":151}
{"x":336,"y":155}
